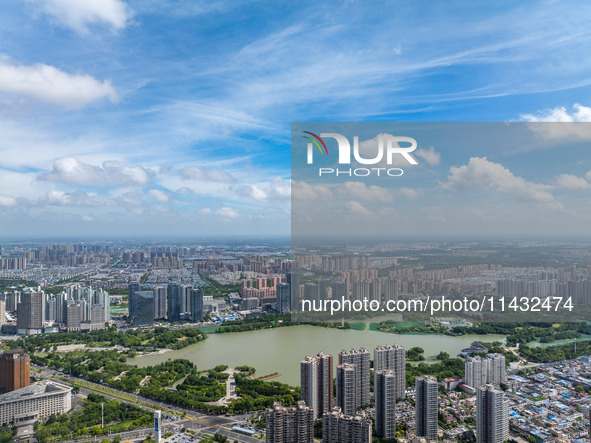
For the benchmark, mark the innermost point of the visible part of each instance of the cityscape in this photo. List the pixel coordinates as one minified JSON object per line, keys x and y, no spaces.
{"x":95,"y":322}
{"x":293,"y":222}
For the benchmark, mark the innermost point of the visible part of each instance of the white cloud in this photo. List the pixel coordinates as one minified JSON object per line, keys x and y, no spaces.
{"x":569,"y":181}
{"x":207,"y":174}
{"x":429,"y":155}
{"x":72,"y":170}
{"x":226,"y":212}
{"x":570,"y":126}
{"x":159,"y":195}
{"x":410,"y":193}
{"x":76,"y":198}
{"x":480,"y":173}
{"x":87,"y":218}
{"x":78,"y":14}
{"x":277,"y":190}
{"x":356,"y":209}
{"x":361,"y":191}
{"x":579,"y":113}
{"x":305,"y":191}
{"x":7,"y":201}
{"x":49,"y":84}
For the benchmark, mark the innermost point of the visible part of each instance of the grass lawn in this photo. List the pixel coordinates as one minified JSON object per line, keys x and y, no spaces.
{"x":358,"y":325}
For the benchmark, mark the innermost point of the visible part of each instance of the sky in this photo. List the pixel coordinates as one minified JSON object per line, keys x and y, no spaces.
{"x":144,"y":117}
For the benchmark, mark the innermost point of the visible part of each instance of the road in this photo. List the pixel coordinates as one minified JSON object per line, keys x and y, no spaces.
{"x":205,"y":424}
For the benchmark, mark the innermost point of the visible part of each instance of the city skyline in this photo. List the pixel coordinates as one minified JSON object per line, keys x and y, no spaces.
{"x":152,"y":118}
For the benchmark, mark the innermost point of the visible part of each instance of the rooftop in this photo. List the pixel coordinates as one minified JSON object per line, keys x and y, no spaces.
{"x":34,"y":390}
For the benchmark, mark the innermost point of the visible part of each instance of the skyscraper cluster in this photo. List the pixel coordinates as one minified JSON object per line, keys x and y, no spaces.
{"x":346,"y":422}
{"x":77,"y":308}
{"x":174,"y":302}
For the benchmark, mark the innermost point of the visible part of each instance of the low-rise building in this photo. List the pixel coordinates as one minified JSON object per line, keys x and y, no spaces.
{"x":36,"y":401}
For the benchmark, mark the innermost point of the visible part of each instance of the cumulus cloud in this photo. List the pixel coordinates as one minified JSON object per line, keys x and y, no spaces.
{"x":76,"y":198}
{"x":570,"y":122}
{"x":429,"y":155}
{"x":356,"y":209}
{"x":224,"y":212}
{"x":159,"y":195}
{"x":569,"y":181}
{"x":49,"y":84}
{"x":481,"y":173}
{"x":78,"y":14}
{"x":361,"y":191}
{"x":87,"y":218}
{"x":579,"y":113}
{"x":207,"y":174}
{"x":409,"y":192}
{"x":7,"y":201}
{"x":72,"y":170}
{"x":277,"y":189}
{"x":305,"y":191}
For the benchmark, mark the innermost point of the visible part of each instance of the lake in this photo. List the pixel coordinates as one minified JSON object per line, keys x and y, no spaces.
{"x":282,"y":349}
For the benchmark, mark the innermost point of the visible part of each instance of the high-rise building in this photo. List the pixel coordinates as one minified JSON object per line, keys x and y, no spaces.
{"x":485,"y":370}
{"x":341,"y":428}
{"x":175,"y":295}
{"x":311,"y":292}
{"x":143,"y":302}
{"x":30,"y":313}
{"x":475,"y":371}
{"x":339,"y":290}
{"x":293,"y":278}
{"x":160,"y":302}
{"x":12,"y":300}
{"x":197,"y":305}
{"x":2,"y":312}
{"x":133,"y":287}
{"x":361,"y":359}
{"x":392,"y":357}
{"x":15,"y":370}
{"x":317,"y":382}
{"x":427,"y":407}
{"x":385,"y":400}
{"x":347,"y":389}
{"x":74,"y":317}
{"x":293,"y":424}
{"x":492,"y":415}
{"x":283,"y":297}
{"x":496,"y":369}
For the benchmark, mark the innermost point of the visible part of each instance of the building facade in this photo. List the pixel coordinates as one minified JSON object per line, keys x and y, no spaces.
{"x":143,"y":302}
{"x":392,"y":357}
{"x":36,"y":401}
{"x":316,"y":377}
{"x":427,"y":407}
{"x":360,"y":358}
{"x":492,"y":415}
{"x":385,"y":390}
{"x":15,"y":370}
{"x":342,"y":428}
{"x":293,"y":424}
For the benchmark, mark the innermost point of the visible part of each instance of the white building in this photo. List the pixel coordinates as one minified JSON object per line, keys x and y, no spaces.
{"x":492,"y":415}
{"x":394,"y":358}
{"x":38,"y":400}
{"x":489,"y":370}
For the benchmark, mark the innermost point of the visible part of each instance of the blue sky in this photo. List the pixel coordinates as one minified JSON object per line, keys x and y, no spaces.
{"x":138,"y":118}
